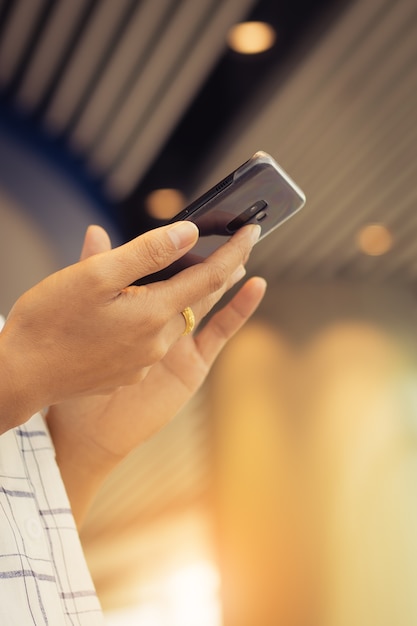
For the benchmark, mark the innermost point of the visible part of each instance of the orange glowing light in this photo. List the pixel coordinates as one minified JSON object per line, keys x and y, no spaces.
{"x":251,"y":37}
{"x":374,"y":239}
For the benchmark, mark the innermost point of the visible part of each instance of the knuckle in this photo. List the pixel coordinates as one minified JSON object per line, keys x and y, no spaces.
{"x":94,"y":276}
{"x":133,"y":378}
{"x":243,"y":250}
{"x":156,"y":346}
{"x":156,"y":252}
{"x":217,"y":276}
{"x":156,"y":320}
{"x":242,"y":244}
{"x":157,"y":352}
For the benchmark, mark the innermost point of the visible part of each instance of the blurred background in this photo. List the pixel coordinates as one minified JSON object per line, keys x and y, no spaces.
{"x":286,"y":494}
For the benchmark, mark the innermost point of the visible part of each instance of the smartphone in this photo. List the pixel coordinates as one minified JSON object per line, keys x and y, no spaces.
{"x":257,"y":192}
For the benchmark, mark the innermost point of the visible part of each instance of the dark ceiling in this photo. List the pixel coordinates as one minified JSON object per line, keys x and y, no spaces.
{"x":233,"y":83}
{"x":131,"y":96}
{"x":31,"y":88}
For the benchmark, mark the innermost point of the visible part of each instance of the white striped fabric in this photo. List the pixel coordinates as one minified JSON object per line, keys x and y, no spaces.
{"x":44,"y":578}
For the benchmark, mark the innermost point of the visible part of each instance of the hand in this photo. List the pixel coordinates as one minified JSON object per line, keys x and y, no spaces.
{"x":92,"y":434}
{"x":85,"y":329}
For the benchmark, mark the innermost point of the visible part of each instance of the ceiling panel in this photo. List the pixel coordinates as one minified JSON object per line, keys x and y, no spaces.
{"x":56,"y":37}
{"x":345,"y":128}
{"x":86,"y":57}
{"x":111,"y":79}
{"x":127,"y":61}
{"x":196,"y":58}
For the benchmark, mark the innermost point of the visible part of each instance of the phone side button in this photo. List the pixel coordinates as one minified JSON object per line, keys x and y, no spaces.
{"x":260,"y":216}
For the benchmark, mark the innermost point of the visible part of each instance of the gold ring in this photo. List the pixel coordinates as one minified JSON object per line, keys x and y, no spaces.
{"x":189,"y":318}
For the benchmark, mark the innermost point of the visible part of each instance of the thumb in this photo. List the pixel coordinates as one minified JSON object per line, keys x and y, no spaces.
{"x":96,"y":240}
{"x":147,"y":253}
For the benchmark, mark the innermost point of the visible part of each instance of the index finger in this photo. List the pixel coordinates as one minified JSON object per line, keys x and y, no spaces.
{"x":212,"y":275}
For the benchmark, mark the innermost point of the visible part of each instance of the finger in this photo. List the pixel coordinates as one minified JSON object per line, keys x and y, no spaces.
{"x":242,"y":241}
{"x":96,"y":240}
{"x":203,"y":307}
{"x":224,"y":324}
{"x":206,"y":282}
{"x":148,"y":253}
{"x":203,"y":285}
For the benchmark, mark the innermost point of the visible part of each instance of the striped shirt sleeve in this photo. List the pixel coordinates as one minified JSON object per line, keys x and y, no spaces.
{"x":44,"y":579}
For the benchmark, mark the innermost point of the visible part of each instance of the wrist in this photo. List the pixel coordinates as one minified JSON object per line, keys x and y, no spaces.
{"x":83,"y":464}
{"x":20,"y":395}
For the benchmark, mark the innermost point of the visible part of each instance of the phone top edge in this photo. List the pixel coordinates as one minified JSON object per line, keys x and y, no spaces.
{"x":258,"y":158}
{"x":263,"y":158}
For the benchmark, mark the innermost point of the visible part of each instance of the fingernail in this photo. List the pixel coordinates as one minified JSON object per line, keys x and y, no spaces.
{"x":238,"y":274}
{"x":182,"y":234}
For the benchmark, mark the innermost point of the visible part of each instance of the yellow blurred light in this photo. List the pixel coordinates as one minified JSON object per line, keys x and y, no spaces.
{"x":374,"y":239}
{"x":251,"y":37}
{"x":194,"y":595}
{"x":163,"y":204}
{"x":187,"y":594}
